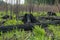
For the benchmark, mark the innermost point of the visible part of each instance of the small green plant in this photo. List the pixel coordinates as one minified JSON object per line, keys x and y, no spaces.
{"x":39,"y":34}
{"x":56,"y":31}
{"x":39,"y":31}
{"x":12,"y":22}
{"x":58,"y":14}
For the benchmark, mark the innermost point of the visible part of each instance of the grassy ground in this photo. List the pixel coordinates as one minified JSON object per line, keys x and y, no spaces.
{"x":14,"y":21}
{"x":38,"y":33}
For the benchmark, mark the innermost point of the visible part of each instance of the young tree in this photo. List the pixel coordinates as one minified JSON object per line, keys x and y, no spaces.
{"x":30,"y":5}
{"x":57,"y":4}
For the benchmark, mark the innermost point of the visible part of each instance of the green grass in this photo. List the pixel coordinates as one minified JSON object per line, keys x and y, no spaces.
{"x":58,"y":14}
{"x":56,"y":31}
{"x":22,"y":13}
{"x":37,"y":34}
{"x":13,"y":22}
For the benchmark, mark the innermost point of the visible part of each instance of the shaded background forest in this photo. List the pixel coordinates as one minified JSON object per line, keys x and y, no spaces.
{"x":34,"y":5}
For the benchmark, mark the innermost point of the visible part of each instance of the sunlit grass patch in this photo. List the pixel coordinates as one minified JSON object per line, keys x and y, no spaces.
{"x":13,"y":22}
{"x":56,"y":31}
{"x":58,"y":14}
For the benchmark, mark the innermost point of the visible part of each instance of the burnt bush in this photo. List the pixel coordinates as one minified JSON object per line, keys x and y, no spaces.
{"x":43,"y":25}
{"x":6,"y":17}
{"x":51,"y":14}
{"x":29,"y":18}
{"x":12,"y":27}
